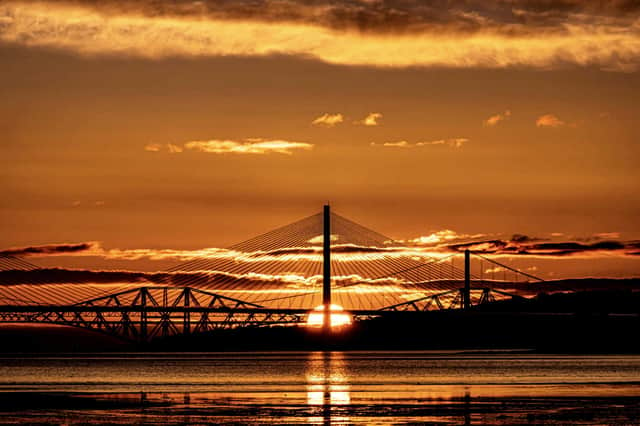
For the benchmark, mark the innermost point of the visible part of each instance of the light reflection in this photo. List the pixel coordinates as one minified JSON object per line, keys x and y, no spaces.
{"x":328,"y":386}
{"x":337,"y":316}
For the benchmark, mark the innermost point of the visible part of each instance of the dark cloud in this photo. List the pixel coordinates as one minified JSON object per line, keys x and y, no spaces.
{"x":49,"y":249}
{"x":387,"y":33}
{"x":335,"y":248}
{"x":515,"y":17}
{"x":84,"y":276}
{"x":520,"y":238}
{"x":524,"y":245}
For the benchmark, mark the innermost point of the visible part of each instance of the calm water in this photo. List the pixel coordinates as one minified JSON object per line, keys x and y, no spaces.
{"x":321,"y":388}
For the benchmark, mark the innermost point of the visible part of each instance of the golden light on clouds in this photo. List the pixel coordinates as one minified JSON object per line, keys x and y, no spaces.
{"x":549,"y":120}
{"x":328,"y":120}
{"x":88,"y":31}
{"x":497,"y":118}
{"x":153,"y":147}
{"x":247,"y":146}
{"x":452,"y":142}
{"x":371,"y":119}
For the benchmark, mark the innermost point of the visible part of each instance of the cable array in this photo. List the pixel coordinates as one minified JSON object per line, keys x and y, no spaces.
{"x":282,"y":268}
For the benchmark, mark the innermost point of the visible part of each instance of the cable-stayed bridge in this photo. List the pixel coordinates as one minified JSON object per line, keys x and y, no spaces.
{"x":279,"y":277}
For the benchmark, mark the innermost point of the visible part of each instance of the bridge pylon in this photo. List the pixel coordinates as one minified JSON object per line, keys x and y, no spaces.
{"x":466,"y":292}
{"x":326,"y":266}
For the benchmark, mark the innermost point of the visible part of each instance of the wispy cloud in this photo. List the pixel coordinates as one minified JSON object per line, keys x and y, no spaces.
{"x":371,"y":119}
{"x":384,"y":34}
{"x":606,"y":235}
{"x":549,"y":120}
{"x":497,"y":118}
{"x":397,"y":144}
{"x":153,"y":147}
{"x":249,"y":146}
{"x":246,"y":146}
{"x":174,"y":149}
{"x":441,"y":237}
{"x":452,"y":142}
{"x":328,"y":120}
{"x":170,"y":148}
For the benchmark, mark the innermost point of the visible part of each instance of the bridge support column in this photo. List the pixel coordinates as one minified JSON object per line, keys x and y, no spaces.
{"x":466,"y":294}
{"x":326,"y":267}
{"x":186,"y":325}
{"x":143,"y":315}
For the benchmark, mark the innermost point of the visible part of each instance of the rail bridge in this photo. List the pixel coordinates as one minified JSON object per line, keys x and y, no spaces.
{"x":278,"y":278}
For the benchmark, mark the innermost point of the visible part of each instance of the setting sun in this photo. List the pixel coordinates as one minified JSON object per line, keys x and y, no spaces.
{"x":339,"y":317}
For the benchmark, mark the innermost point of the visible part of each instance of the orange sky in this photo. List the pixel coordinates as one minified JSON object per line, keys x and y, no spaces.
{"x":200,"y":125}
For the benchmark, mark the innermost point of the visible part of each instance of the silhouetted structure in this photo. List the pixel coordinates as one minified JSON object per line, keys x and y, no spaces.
{"x":190,"y":306}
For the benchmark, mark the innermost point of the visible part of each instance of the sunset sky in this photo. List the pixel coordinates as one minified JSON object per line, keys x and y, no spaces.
{"x":184,"y":125}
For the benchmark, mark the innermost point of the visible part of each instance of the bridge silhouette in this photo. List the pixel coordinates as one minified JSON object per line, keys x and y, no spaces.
{"x":276,"y":278}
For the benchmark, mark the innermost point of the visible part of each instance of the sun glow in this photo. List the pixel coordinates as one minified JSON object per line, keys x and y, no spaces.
{"x":338,"y":316}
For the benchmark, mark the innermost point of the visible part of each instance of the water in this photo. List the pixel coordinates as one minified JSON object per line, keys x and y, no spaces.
{"x":321,"y":388}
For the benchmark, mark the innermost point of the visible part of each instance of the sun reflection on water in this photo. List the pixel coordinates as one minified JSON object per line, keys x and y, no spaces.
{"x":328,"y":386}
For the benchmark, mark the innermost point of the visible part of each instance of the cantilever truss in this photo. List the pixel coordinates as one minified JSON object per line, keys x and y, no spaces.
{"x":146,"y":313}
{"x":452,"y":299}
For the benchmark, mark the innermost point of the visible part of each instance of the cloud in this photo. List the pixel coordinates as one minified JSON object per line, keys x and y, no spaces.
{"x":607,"y":235}
{"x":196,"y":278}
{"x":328,"y":120}
{"x":246,"y":146}
{"x":452,"y":142}
{"x":174,"y":149}
{"x":495,"y":119}
{"x":319,"y":239}
{"x":398,"y":144}
{"x":370,"y":120}
{"x":342,"y":252}
{"x":520,"y":245}
{"x":605,"y":244}
{"x":549,"y":120}
{"x":63,"y":249}
{"x":440,"y":237}
{"x":513,"y":17}
{"x":394,"y":33}
{"x":260,"y":283}
{"x":437,"y":244}
{"x":170,"y":148}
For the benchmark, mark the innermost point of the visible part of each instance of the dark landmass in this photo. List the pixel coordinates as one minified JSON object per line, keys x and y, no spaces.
{"x":582,"y":322}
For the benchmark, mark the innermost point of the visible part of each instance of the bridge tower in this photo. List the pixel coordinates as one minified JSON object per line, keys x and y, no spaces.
{"x":326,"y":266}
{"x":466,"y":292}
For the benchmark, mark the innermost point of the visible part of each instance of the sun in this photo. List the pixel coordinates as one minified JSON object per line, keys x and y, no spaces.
{"x":338,"y":317}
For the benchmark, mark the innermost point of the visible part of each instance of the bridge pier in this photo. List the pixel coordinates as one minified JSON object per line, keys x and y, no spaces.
{"x":143,"y":315}
{"x":466,"y":293}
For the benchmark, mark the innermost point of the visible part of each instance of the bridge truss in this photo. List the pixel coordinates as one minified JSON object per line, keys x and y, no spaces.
{"x":145,"y":314}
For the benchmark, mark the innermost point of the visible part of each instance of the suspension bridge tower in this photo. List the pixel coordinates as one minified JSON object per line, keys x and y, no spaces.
{"x":326,"y":266}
